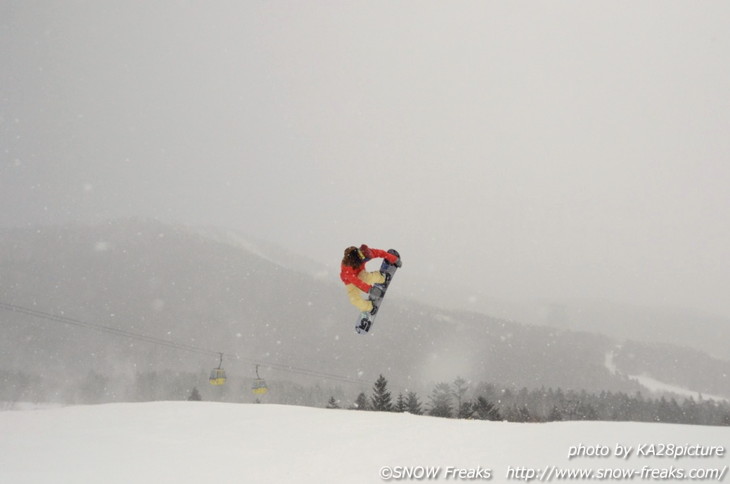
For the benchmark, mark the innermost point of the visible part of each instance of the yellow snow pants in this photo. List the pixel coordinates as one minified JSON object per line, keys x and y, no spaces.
{"x":355,"y":294}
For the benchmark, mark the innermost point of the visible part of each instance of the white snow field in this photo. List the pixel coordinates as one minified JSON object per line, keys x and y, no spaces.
{"x":201,"y":442}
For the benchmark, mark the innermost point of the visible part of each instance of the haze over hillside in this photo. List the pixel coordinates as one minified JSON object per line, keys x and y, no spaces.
{"x":653,"y":325}
{"x":174,"y":283}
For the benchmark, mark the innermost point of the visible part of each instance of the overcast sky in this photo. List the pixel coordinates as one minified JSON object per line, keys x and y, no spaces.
{"x":534,"y":150}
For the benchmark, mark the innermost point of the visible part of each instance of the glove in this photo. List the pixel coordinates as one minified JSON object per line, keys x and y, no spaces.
{"x":366,"y":251}
{"x":398,"y":263}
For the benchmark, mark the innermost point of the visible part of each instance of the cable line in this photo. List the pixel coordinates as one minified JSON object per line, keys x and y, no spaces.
{"x":167,"y":343}
{"x":107,"y":329}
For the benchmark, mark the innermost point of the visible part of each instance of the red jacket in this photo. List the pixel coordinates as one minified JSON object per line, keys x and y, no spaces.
{"x":349,"y":274}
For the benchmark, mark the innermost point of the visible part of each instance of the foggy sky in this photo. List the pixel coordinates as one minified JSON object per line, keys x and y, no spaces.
{"x":532,"y":150}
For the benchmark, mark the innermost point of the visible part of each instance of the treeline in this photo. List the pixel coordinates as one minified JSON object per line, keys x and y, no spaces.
{"x":458,"y":399}
{"x":489,"y":402}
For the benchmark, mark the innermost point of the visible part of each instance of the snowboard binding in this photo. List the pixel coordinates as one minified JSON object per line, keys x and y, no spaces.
{"x":364,"y":324}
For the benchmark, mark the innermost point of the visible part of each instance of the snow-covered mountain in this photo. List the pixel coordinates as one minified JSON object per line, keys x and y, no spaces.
{"x":194,"y":442}
{"x":668,"y":325}
{"x":264,"y":249}
{"x":671,"y":326}
{"x":237,"y":296}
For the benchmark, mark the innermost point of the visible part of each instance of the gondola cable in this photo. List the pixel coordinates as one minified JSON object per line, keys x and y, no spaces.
{"x":170,"y":344}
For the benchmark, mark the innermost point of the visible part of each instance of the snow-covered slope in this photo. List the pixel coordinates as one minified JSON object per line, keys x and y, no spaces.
{"x":194,"y":442}
{"x":656,"y":386}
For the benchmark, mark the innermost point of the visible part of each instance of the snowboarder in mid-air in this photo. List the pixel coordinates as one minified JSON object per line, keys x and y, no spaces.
{"x":357,"y":280}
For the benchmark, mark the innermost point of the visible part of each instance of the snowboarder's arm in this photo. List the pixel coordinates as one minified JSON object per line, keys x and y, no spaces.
{"x":351,"y":278}
{"x":377,"y":253}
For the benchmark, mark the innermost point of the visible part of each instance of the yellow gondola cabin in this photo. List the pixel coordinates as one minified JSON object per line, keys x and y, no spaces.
{"x":259,"y":384}
{"x":218,"y":375}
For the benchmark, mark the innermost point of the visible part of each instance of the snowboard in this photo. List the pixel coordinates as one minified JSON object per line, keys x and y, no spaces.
{"x":365,"y":320}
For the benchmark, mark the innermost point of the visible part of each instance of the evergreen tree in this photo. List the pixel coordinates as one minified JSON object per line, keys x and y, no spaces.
{"x":689,"y":411}
{"x":361,"y":402}
{"x":413,"y":406}
{"x":400,"y":404}
{"x":381,"y":401}
{"x":441,"y":405}
{"x":195,"y":395}
{"x":332,"y":403}
{"x":463,"y":409}
{"x":555,"y":414}
{"x":668,"y":411}
{"x":586,"y":411}
{"x":485,"y":410}
{"x":519,"y":414}
{"x":570,"y":409}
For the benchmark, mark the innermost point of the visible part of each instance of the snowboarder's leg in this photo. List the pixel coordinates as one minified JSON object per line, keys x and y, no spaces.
{"x":371,"y":278}
{"x":356,"y":299}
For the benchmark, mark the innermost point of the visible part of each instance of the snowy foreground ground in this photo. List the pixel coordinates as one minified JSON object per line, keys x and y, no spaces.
{"x":198,"y":442}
